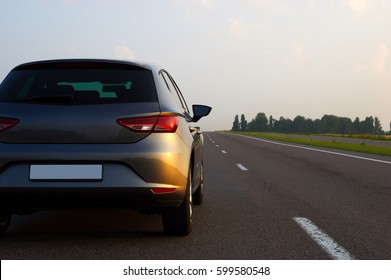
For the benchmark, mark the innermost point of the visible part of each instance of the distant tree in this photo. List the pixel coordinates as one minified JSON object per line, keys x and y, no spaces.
{"x":309,"y":126}
{"x":345,"y":126}
{"x":259,"y":123}
{"x":235,"y":125}
{"x":283,"y":125}
{"x":243,"y":123}
{"x":299,"y":124}
{"x":277,"y":126}
{"x":317,"y":126}
{"x":369,"y":125}
{"x":251,"y":126}
{"x":330,"y":123}
{"x":378,"y":127}
{"x":271,"y":123}
{"x":356,"y":126}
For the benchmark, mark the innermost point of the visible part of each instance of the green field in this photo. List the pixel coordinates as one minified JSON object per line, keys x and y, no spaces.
{"x":363,"y":148}
{"x":359,"y":136}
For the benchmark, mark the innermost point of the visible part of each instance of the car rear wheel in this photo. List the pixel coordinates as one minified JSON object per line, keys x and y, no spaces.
{"x":178,"y":220}
{"x":198,"y":196}
{"x":5,"y":218}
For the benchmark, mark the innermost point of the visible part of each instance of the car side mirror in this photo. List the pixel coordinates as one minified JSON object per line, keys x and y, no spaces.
{"x":200,"y":111}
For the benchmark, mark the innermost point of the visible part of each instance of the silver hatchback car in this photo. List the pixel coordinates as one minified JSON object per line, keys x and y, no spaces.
{"x":99,"y":133}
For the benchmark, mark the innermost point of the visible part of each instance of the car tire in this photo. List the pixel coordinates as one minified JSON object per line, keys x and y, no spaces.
{"x":5,"y":219}
{"x":178,"y":220}
{"x":198,"y":196}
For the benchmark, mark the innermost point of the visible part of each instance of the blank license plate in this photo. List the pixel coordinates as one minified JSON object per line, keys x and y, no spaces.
{"x":66,"y":172}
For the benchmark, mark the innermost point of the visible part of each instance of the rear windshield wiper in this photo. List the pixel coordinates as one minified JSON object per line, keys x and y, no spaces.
{"x":48,"y":99}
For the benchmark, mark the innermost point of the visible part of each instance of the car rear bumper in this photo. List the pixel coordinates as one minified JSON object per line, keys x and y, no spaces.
{"x":119,"y":186}
{"x":81,"y":197}
{"x":129,"y":172}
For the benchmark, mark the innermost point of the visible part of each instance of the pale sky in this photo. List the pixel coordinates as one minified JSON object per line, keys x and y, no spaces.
{"x":283,"y":58}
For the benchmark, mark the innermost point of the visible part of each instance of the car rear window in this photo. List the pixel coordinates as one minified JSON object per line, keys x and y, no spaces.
{"x":78,"y":86}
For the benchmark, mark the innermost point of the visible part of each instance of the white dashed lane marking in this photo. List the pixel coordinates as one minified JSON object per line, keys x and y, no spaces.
{"x":224,"y":152}
{"x":241,"y":166}
{"x":331,"y":247}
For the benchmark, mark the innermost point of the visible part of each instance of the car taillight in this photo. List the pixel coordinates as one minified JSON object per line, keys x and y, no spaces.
{"x":166,"y":124}
{"x":162,"y":190}
{"x":151,"y":124}
{"x":6,"y":123}
{"x":139,"y":124}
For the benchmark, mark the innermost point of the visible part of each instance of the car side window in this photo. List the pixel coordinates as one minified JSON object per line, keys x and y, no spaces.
{"x":173,"y":88}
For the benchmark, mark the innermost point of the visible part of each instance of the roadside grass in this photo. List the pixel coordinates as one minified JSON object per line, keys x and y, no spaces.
{"x":362,"y":148}
{"x":360,"y":136}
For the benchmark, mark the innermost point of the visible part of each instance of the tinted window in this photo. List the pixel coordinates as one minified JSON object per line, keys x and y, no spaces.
{"x":79,"y":86}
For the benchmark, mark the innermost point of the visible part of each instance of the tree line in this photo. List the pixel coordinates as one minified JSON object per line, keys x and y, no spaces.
{"x":327,"y":124}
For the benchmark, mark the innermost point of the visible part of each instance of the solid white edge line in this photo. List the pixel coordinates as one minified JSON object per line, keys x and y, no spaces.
{"x":241,"y":166}
{"x":331,"y":247}
{"x":315,"y":150}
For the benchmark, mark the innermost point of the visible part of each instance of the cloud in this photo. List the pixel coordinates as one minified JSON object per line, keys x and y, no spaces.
{"x":207,"y":3}
{"x":236,"y":28}
{"x":72,"y":51}
{"x":311,"y":5}
{"x":123,"y":52}
{"x":69,"y":2}
{"x":275,"y":7}
{"x":298,"y":51}
{"x":379,"y":64}
{"x":297,"y":54}
{"x":242,"y":29}
{"x":194,"y":5}
{"x":358,"y":6}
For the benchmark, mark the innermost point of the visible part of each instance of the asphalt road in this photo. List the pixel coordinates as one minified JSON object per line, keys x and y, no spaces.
{"x":280,"y":202}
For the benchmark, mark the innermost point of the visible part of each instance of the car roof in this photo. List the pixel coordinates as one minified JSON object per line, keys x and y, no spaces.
{"x":85,"y":62}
